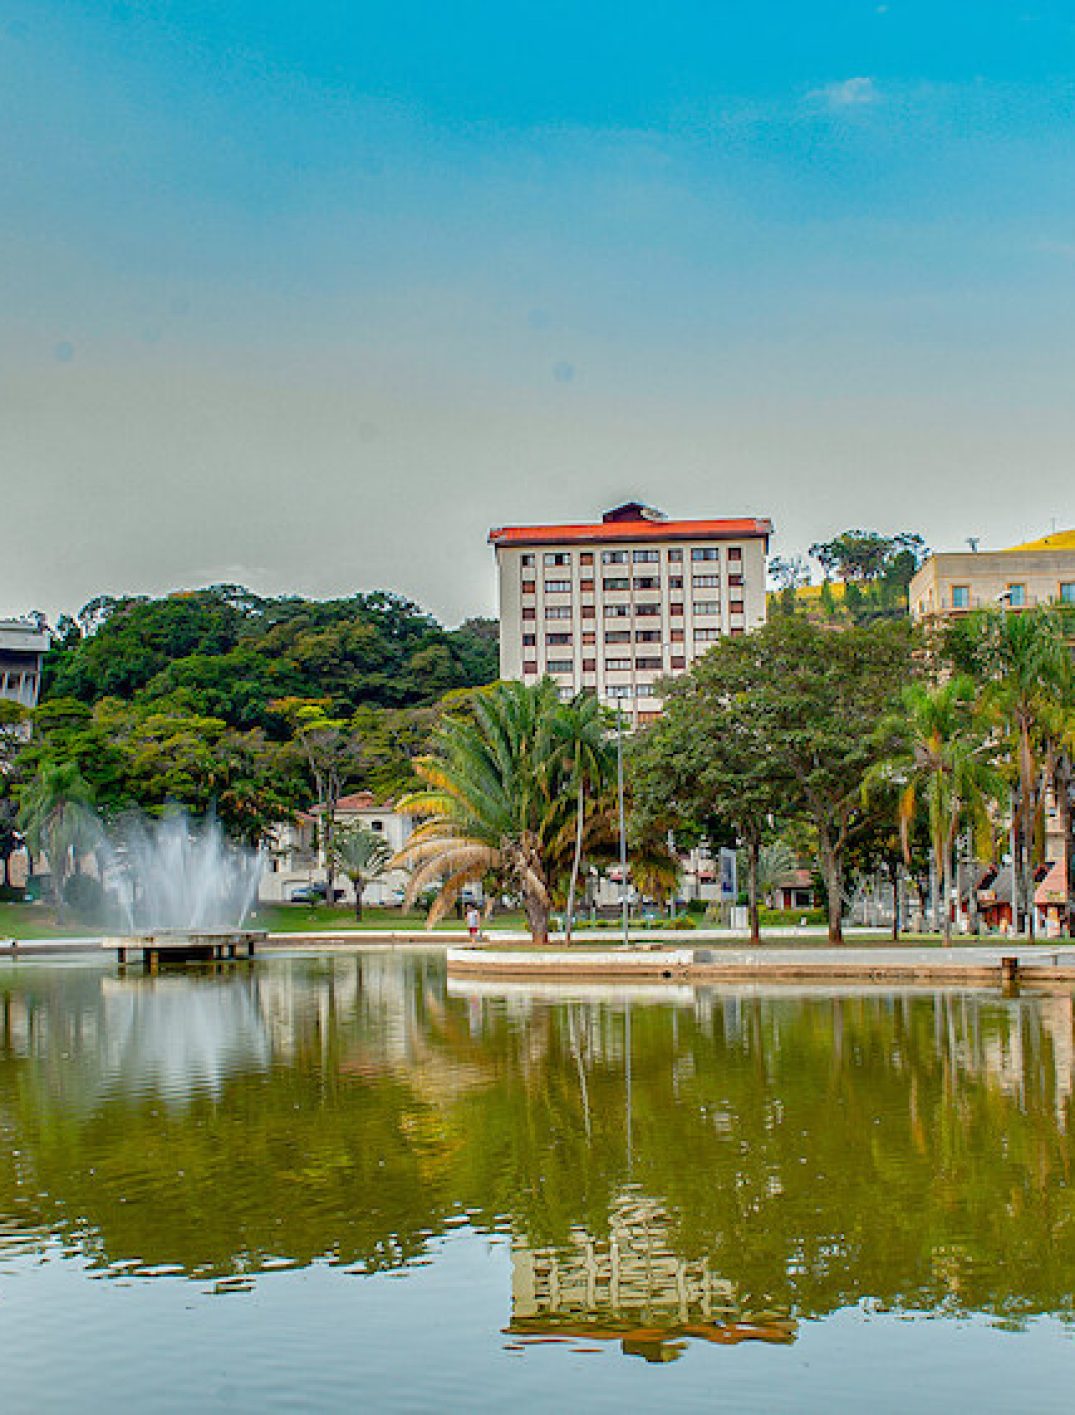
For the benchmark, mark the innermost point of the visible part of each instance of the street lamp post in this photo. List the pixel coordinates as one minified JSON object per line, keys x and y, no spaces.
{"x":623,"y":826}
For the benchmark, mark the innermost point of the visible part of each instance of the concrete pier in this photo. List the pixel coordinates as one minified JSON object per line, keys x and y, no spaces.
{"x":209,"y":946}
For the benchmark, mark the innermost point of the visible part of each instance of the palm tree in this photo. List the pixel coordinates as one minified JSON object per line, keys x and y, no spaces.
{"x":938,"y":750}
{"x":1029,"y":671}
{"x":590,"y":760}
{"x":774,"y":862}
{"x":498,"y":800}
{"x":55,"y":814}
{"x":363,"y":856}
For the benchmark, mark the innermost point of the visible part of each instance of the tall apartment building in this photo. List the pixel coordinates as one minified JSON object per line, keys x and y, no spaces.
{"x":618,"y":605}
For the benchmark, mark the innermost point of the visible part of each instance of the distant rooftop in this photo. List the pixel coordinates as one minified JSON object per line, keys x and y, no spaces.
{"x":633,"y":521}
{"x":1058,"y":540}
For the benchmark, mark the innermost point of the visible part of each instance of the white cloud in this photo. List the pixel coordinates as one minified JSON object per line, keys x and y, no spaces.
{"x":846,"y":93}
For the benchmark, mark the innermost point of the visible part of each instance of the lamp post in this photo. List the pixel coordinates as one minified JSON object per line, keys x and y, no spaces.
{"x":625,"y":903}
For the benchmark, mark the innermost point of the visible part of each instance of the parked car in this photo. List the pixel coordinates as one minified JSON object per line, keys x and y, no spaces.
{"x":313,"y":894}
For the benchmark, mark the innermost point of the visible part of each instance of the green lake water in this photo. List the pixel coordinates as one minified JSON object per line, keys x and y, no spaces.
{"x":344,"y":1183}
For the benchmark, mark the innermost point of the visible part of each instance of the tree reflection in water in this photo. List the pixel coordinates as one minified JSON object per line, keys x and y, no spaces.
{"x":790,"y":1154}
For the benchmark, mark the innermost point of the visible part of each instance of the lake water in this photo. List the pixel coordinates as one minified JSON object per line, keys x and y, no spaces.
{"x":344,"y":1183}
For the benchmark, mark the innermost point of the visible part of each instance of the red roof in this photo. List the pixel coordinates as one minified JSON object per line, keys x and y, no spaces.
{"x":742,"y":528}
{"x":357,"y":801}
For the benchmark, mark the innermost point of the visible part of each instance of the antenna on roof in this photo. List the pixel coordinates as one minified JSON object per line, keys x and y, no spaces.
{"x":972,"y":541}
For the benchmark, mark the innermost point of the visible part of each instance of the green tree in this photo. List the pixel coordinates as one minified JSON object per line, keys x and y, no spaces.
{"x":363,"y":856}
{"x":1025,"y":664}
{"x":497,"y":800}
{"x":710,"y":754}
{"x":798,"y":704}
{"x":56,"y":817}
{"x":581,"y":728}
{"x":936,"y":750}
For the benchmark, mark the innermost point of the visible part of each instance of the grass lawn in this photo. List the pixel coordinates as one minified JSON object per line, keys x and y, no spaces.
{"x":37,"y":921}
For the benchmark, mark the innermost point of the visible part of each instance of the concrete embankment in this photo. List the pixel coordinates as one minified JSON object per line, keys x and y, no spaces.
{"x":1038,"y":965}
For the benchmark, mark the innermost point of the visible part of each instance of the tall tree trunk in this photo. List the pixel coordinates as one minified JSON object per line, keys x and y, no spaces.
{"x":946,"y":893}
{"x":895,"y":901}
{"x":537,"y":919}
{"x":753,"y":852}
{"x":1063,"y":809}
{"x":1027,"y":864}
{"x":359,"y":885}
{"x":832,"y":870}
{"x":575,"y":863}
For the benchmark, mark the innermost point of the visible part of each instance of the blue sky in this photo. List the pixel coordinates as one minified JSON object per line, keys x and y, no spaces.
{"x":309,"y":295}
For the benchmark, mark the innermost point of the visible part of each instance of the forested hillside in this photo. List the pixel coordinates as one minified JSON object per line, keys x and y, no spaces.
{"x":226,"y":653}
{"x":223,"y":701}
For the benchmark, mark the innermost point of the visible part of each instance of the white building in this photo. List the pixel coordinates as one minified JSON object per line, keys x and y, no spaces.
{"x":23,"y":645}
{"x":296,"y":859}
{"x":618,"y":605}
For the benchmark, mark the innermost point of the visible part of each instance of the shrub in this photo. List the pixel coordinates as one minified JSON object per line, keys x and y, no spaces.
{"x":85,"y":897}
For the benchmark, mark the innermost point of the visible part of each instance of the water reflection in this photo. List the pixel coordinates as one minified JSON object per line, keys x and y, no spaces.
{"x":729,"y":1165}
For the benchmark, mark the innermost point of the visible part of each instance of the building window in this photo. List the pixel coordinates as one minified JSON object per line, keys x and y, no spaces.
{"x":736,"y":606}
{"x":705,"y":552}
{"x":586,"y":558}
{"x":586,"y":586}
{"x":678,"y":663}
{"x":617,"y":611}
{"x":1017,"y":596}
{"x":589,"y":665}
{"x":616,"y":584}
{"x":561,"y":665}
{"x":706,"y":606}
{"x":529,"y":640}
{"x":377,"y":825}
{"x":961,"y":596}
{"x":646,"y":690}
{"x":647,"y":582}
{"x":529,"y":612}
{"x":647,"y":636}
{"x":646,"y":557}
{"x":706,"y":636}
{"x":735,"y":553}
{"x":676,"y":607}
{"x":705,"y":582}
{"x":677,"y":636}
{"x":676,"y":555}
{"x":527,"y":561}
{"x":736,"y":581}
{"x":617,"y":636}
{"x":557,"y":557}
{"x":557,"y":638}
{"x":675,"y":582}
{"x":529,"y":587}
{"x":614,"y":557}
{"x":566,"y":693}
{"x":648,"y":662}
{"x":557,"y":586}
{"x":588,"y":611}
{"x":647,"y":611}
{"x":589,"y":637}
{"x":1067,"y":592}
{"x":619,"y":690}
{"x":557,"y":611}
{"x":529,"y":666}
{"x":617,"y":665}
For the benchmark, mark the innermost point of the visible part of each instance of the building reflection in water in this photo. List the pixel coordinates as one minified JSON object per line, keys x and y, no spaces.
{"x":632,"y":1287}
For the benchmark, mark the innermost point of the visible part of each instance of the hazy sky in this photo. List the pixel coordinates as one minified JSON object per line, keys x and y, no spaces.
{"x":307,"y":294}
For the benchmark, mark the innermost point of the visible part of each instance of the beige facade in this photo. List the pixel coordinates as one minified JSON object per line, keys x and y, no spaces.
{"x":296,"y":859}
{"x":953,"y":584}
{"x":618,"y":605}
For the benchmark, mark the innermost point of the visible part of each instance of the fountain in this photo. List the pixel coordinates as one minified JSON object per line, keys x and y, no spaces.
{"x":184,"y":891}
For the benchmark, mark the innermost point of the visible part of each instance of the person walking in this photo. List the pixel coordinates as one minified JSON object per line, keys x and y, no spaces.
{"x":474,"y":923}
